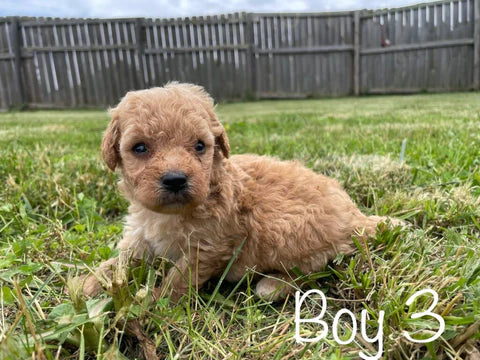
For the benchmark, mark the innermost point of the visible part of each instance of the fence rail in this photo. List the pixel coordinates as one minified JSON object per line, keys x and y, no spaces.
{"x":93,"y":62}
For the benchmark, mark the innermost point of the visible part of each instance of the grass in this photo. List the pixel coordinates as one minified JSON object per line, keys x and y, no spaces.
{"x":60,"y":213}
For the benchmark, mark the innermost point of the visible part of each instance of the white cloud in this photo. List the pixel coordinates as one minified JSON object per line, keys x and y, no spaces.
{"x":182,"y":8}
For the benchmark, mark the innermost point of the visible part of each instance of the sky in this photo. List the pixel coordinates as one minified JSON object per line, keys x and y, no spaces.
{"x":181,"y":8}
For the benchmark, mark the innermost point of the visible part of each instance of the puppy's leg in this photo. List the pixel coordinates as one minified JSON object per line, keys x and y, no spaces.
{"x":91,"y":283}
{"x":188,"y":271}
{"x":275,"y":287}
{"x":131,"y":248}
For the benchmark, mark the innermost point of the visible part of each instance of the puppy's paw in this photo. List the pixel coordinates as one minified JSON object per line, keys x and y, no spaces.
{"x":273,"y":289}
{"x":91,"y":286}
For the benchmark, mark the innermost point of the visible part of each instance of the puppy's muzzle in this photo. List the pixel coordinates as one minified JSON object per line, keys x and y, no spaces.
{"x":174,"y":182}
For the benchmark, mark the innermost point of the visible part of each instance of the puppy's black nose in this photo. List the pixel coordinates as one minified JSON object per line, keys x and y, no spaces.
{"x":174,"y":181}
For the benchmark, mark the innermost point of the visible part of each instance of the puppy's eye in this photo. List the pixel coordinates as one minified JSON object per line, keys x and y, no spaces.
{"x":139,"y":148}
{"x":200,"y":147}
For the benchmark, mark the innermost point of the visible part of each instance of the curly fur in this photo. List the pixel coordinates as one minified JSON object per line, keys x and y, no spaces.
{"x":288,"y":215}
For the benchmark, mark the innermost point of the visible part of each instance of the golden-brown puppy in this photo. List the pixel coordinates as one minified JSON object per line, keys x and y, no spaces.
{"x":192,"y":203}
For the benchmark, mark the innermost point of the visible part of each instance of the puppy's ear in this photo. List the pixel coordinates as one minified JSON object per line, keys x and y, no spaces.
{"x":221,"y":138}
{"x":110,"y":142}
{"x":207,"y":103}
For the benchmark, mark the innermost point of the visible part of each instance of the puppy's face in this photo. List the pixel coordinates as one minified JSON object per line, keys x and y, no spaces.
{"x":167,"y":142}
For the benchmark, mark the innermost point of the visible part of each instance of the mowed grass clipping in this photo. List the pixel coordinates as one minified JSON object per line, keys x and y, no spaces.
{"x":61,"y":214}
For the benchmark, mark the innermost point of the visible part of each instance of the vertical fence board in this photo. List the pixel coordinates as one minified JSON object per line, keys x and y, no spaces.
{"x":356,"y":54}
{"x":476,"y":47}
{"x":4,"y":87}
{"x":14,"y":49}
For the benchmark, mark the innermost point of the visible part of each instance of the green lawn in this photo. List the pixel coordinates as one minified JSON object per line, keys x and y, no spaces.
{"x":60,"y":212}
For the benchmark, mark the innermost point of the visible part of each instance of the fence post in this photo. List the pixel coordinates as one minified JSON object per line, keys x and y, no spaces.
{"x":356,"y":53}
{"x":140,"y":39}
{"x":476,"y":45}
{"x":15,"y":41}
{"x":251,"y":64}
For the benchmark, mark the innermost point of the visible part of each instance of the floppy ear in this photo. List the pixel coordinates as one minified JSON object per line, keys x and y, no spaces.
{"x":207,"y":103}
{"x":221,"y":138}
{"x":110,"y":142}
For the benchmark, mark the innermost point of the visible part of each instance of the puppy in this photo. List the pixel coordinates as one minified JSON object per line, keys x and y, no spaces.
{"x":192,"y":203}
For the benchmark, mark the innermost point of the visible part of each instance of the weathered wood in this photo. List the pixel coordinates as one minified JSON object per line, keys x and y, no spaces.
{"x":416,"y":90}
{"x":248,"y":41}
{"x":92,"y":62}
{"x":7,"y":56}
{"x":476,"y":45}
{"x":324,"y":14}
{"x":42,"y":22}
{"x":32,"y":84}
{"x":140,"y":53}
{"x":191,"y":49}
{"x":306,"y":50}
{"x":369,"y":13}
{"x":197,"y":21}
{"x":15,"y":43}
{"x":356,"y":53}
{"x":86,"y":85}
{"x":419,"y":46}
{"x":79,"y":48}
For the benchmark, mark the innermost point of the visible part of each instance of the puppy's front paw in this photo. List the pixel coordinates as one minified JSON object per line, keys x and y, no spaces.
{"x":273,"y":289}
{"x":91,"y":286}
{"x":104,"y":273}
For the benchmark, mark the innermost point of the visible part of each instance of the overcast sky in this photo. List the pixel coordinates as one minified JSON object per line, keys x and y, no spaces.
{"x":180,"y":8}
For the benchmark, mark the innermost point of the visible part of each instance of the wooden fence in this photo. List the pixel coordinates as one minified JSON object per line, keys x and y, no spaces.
{"x":59,"y":63}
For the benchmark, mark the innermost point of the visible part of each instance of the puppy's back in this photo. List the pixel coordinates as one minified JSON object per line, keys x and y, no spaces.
{"x":289,"y":177}
{"x":294,"y":216}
